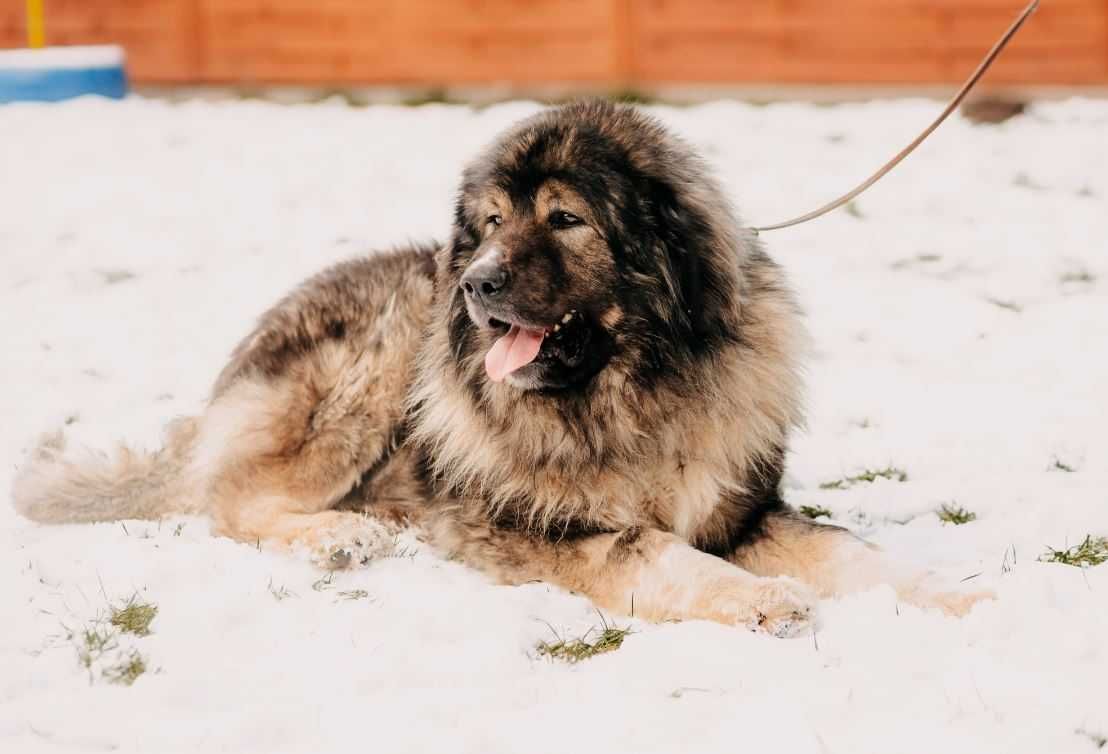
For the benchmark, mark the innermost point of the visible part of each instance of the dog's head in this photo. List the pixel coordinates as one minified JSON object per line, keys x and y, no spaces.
{"x":584,"y":238}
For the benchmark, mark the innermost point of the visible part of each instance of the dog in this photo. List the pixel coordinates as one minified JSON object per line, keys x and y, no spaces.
{"x":591,"y":384}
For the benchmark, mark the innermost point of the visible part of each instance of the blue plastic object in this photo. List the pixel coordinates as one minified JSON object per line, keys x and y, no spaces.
{"x":57,"y":73}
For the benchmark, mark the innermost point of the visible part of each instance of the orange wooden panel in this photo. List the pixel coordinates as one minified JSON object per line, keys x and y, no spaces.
{"x":419,"y":41}
{"x":439,"y":42}
{"x":293,"y":40}
{"x":511,"y":15}
{"x":513,"y":40}
{"x":13,"y":29}
{"x":868,"y":41}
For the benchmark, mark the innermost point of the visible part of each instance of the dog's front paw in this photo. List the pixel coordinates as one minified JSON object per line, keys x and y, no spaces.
{"x":784,"y":607}
{"x":780,"y":607}
{"x":357,"y":543}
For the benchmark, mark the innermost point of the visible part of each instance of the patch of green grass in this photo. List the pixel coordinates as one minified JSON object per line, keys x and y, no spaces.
{"x":573,"y":651}
{"x":869,"y":475}
{"x":134,"y":617}
{"x":952,"y":513}
{"x":854,"y":211}
{"x":124,"y":672}
{"x":98,"y":651}
{"x":1093,"y":551}
{"x":92,"y":643}
{"x":814,"y":511}
{"x":98,"y":645}
{"x":353,"y":594}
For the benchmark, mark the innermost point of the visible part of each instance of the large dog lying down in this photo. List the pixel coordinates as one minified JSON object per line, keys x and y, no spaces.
{"x":592,"y":384}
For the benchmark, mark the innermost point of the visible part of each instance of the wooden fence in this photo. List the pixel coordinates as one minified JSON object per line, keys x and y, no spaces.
{"x":596,"y":42}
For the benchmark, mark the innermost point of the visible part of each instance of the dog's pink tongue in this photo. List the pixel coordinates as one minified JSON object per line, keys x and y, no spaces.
{"x":517,"y":348}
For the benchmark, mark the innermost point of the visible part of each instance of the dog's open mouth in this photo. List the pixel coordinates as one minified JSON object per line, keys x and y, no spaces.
{"x":521,"y":345}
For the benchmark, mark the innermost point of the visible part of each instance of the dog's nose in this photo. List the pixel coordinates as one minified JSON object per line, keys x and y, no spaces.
{"x":485,"y":280}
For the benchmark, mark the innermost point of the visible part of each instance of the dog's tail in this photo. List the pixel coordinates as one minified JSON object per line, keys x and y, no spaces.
{"x":53,"y":489}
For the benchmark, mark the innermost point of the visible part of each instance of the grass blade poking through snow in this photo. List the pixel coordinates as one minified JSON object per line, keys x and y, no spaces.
{"x":952,"y":513}
{"x":814,"y":511}
{"x":101,"y":647}
{"x":869,"y":475}
{"x":98,"y":651}
{"x":573,"y":651}
{"x":1093,"y":551}
{"x":91,"y":643}
{"x":134,"y":617}
{"x":129,"y":667}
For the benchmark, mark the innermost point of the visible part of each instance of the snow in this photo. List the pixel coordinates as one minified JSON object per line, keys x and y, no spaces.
{"x":959,"y":318}
{"x":77,"y":56}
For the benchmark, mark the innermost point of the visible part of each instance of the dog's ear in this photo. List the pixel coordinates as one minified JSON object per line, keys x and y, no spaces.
{"x":464,"y":240}
{"x":687,"y":244}
{"x":464,"y":236}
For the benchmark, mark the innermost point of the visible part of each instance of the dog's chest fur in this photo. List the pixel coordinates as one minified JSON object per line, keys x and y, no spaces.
{"x":532,"y":469}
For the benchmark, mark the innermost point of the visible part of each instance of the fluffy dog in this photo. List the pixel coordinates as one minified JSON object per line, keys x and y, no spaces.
{"x":591,"y":384}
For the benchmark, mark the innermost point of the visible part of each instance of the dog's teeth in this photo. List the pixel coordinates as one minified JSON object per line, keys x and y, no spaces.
{"x":567,"y":318}
{"x":557,"y":328}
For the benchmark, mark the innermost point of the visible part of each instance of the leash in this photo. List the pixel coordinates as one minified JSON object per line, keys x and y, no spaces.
{"x":888,"y":166}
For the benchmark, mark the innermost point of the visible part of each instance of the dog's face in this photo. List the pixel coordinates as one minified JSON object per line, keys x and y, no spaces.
{"x":567,"y":250}
{"x":540,"y":285}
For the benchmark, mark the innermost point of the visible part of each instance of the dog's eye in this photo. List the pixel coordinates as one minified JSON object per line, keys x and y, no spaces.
{"x":494,"y":220}
{"x":562,"y":219}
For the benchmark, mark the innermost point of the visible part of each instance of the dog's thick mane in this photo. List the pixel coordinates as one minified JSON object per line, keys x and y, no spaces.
{"x":705,"y":361}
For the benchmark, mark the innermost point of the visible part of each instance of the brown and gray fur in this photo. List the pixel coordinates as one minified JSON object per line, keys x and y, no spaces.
{"x":636,"y":461}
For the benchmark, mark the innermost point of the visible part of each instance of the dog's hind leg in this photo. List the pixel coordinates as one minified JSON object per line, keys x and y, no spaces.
{"x":279,"y":453}
{"x":834,"y":562}
{"x":311,"y":401}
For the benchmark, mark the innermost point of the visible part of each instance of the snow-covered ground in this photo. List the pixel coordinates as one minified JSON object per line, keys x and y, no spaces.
{"x":960,"y":315}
